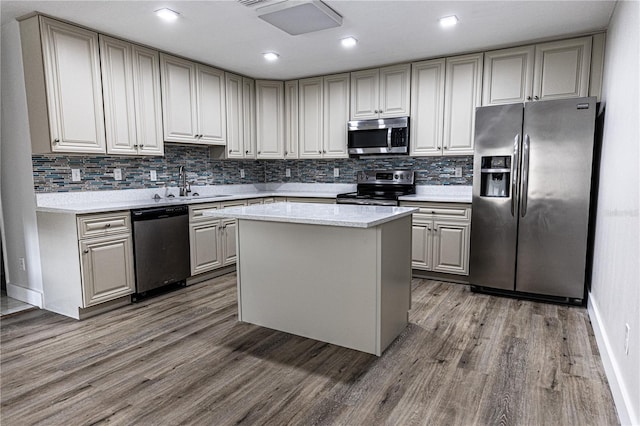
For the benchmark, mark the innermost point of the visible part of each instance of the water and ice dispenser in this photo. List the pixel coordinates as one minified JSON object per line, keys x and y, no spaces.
{"x":495,"y":176}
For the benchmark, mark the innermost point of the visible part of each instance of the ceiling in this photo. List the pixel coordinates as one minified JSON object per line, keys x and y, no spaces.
{"x":229,"y":35}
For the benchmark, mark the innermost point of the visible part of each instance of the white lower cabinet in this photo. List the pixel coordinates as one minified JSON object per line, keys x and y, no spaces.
{"x":213,"y":241}
{"x":440,"y":237}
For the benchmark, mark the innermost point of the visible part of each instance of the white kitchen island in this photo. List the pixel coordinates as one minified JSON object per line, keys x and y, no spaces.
{"x":336,"y":273}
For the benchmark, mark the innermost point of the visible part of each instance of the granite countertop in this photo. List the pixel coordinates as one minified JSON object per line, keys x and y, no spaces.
{"x":347,"y":215}
{"x":105,"y":201}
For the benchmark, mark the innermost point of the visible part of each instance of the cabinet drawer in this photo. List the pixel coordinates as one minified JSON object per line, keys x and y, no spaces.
{"x":102,"y":224}
{"x":446,"y":210}
{"x":234,"y":203}
{"x":195,"y":212}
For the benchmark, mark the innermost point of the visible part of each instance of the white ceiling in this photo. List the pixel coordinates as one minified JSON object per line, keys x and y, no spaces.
{"x":229,"y":35}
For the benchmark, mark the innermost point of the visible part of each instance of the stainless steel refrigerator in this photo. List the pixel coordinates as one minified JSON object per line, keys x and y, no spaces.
{"x":532,"y":181}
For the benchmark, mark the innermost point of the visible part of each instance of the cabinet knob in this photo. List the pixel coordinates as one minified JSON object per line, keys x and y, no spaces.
{"x":108,"y":225}
{"x":536,"y":98}
{"x":258,"y":152}
{"x":286,"y":152}
{"x":55,"y":141}
{"x":446,"y":147}
{"x":229,"y":151}
{"x":85,"y":251}
{"x":319,"y":152}
{"x":135,"y":146}
{"x":528,"y":98}
{"x":438,"y":147}
{"x":141,"y":146}
{"x":246,"y":152}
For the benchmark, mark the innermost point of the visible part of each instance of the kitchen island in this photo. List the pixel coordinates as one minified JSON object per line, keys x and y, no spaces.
{"x":336,"y":273}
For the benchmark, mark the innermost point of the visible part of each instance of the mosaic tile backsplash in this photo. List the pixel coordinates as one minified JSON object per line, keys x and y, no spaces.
{"x":52,"y":173}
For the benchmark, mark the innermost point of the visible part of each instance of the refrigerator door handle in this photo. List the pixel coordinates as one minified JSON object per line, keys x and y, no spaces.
{"x":514,"y":173}
{"x":525,"y":176}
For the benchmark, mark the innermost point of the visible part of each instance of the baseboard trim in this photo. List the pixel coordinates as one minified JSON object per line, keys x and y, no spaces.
{"x":25,"y":295}
{"x":621,"y":396}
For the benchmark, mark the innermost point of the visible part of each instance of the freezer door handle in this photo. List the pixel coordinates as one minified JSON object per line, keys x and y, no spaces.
{"x":514,"y":173}
{"x":525,"y":176}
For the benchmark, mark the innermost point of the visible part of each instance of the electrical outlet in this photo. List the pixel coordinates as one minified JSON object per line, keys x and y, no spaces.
{"x":117,"y":174}
{"x":153,"y":176}
{"x":75,"y":175}
{"x":458,"y":172}
{"x":287,"y":172}
{"x":241,"y":173}
{"x":336,"y":172}
{"x":627,"y":330}
{"x":22,"y":264}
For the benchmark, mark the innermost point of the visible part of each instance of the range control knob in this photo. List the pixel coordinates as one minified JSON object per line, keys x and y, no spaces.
{"x":397,"y":176}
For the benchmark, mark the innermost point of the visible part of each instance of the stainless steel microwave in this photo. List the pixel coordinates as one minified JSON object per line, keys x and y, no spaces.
{"x":383,"y":136}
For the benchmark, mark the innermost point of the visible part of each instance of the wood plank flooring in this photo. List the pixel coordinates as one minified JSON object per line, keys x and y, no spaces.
{"x":182,"y":358}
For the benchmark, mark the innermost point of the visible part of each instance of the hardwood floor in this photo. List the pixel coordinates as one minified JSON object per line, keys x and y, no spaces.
{"x":181,"y":358}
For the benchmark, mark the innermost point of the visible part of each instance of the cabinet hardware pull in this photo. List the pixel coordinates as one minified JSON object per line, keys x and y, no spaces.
{"x":446,"y":147}
{"x":229,"y":151}
{"x":135,"y":146}
{"x":108,"y":225}
{"x":85,"y":251}
{"x":55,"y":141}
{"x":246,"y":152}
{"x":536,"y":98}
{"x":528,"y":98}
{"x":141,"y":146}
{"x":286,"y":152}
{"x":258,"y":152}
{"x":438,"y":147}
{"x":319,"y":152}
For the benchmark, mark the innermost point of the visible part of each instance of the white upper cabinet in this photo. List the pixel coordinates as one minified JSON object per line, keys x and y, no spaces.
{"x":381,"y":92}
{"x":269,"y":119}
{"x":132,"y":106}
{"x":554,"y":70}
{"x":193,"y":100}
{"x":291,"y":119}
{"x":508,"y":76}
{"x":427,"y":107}
{"x":63,"y":67}
{"x":463,"y":90}
{"x":240,"y":94}
{"x":323,"y":116}
{"x":562,"y":69}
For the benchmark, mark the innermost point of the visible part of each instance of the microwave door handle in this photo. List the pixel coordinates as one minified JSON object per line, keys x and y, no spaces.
{"x":389,"y":138}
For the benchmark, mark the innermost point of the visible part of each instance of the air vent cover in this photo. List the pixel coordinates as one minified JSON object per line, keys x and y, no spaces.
{"x":300,"y":17}
{"x":251,"y":3}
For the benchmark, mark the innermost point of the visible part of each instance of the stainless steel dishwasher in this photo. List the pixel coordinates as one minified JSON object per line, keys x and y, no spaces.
{"x":160,"y":246}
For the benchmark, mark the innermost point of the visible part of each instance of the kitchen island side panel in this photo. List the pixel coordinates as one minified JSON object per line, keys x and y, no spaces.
{"x":317,"y":281}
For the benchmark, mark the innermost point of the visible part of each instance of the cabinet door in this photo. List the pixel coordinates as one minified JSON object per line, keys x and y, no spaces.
{"x":269,"y":119}
{"x":365,"y":87}
{"x":179,"y":112}
{"x":291,"y":119}
{"x":421,"y":245}
{"x":310,"y":117}
{"x":229,"y":241}
{"x":336,"y":115}
{"x":451,"y":247}
{"x":508,"y":76}
{"x":235,"y":112}
{"x":212,"y":121}
{"x":562,"y":69}
{"x":148,"y":104}
{"x":427,"y":107}
{"x":249,"y":117}
{"x":205,"y":246}
{"x":74,"y":88}
{"x":463,"y":88}
{"x":118,"y":92}
{"x":394,"y":91}
{"x":107,"y":268}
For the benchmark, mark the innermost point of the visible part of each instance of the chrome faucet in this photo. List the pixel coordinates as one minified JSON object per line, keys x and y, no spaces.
{"x":185,"y":188}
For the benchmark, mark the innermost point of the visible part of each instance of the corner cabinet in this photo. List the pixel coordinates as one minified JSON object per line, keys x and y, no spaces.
{"x":87,"y":261}
{"x":193,"y":102}
{"x":63,"y":85}
{"x":269,"y":119}
{"x":555,"y":70}
{"x":440,"y":237}
{"x":132,"y":104}
{"x":427,"y":107}
{"x":463,"y":90}
{"x":380,"y":92}
{"x":240,"y":94}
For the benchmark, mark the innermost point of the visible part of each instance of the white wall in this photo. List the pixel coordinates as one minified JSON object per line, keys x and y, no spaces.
{"x":17,"y":193}
{"x":614,"y":299}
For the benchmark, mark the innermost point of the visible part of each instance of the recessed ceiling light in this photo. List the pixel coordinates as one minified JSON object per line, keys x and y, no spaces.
{"x":270,"y":56}
{"x":448,"y":21}
{"x":167,"y":14}
{"x":349,"y":42}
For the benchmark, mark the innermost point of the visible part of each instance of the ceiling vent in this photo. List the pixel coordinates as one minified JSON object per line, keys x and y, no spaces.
{"x":251,"y":3}
{"x":300,"y":16}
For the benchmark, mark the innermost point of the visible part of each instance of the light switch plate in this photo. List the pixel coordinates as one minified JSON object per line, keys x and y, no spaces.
{"x":153,"y":176}
{"x":336,"y":172}
{"x":241,"y":173}
{"x":75,"y":175}
{"x":287,"y":172}
{"x":458,"y":172}
{"x":117,"y":174}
